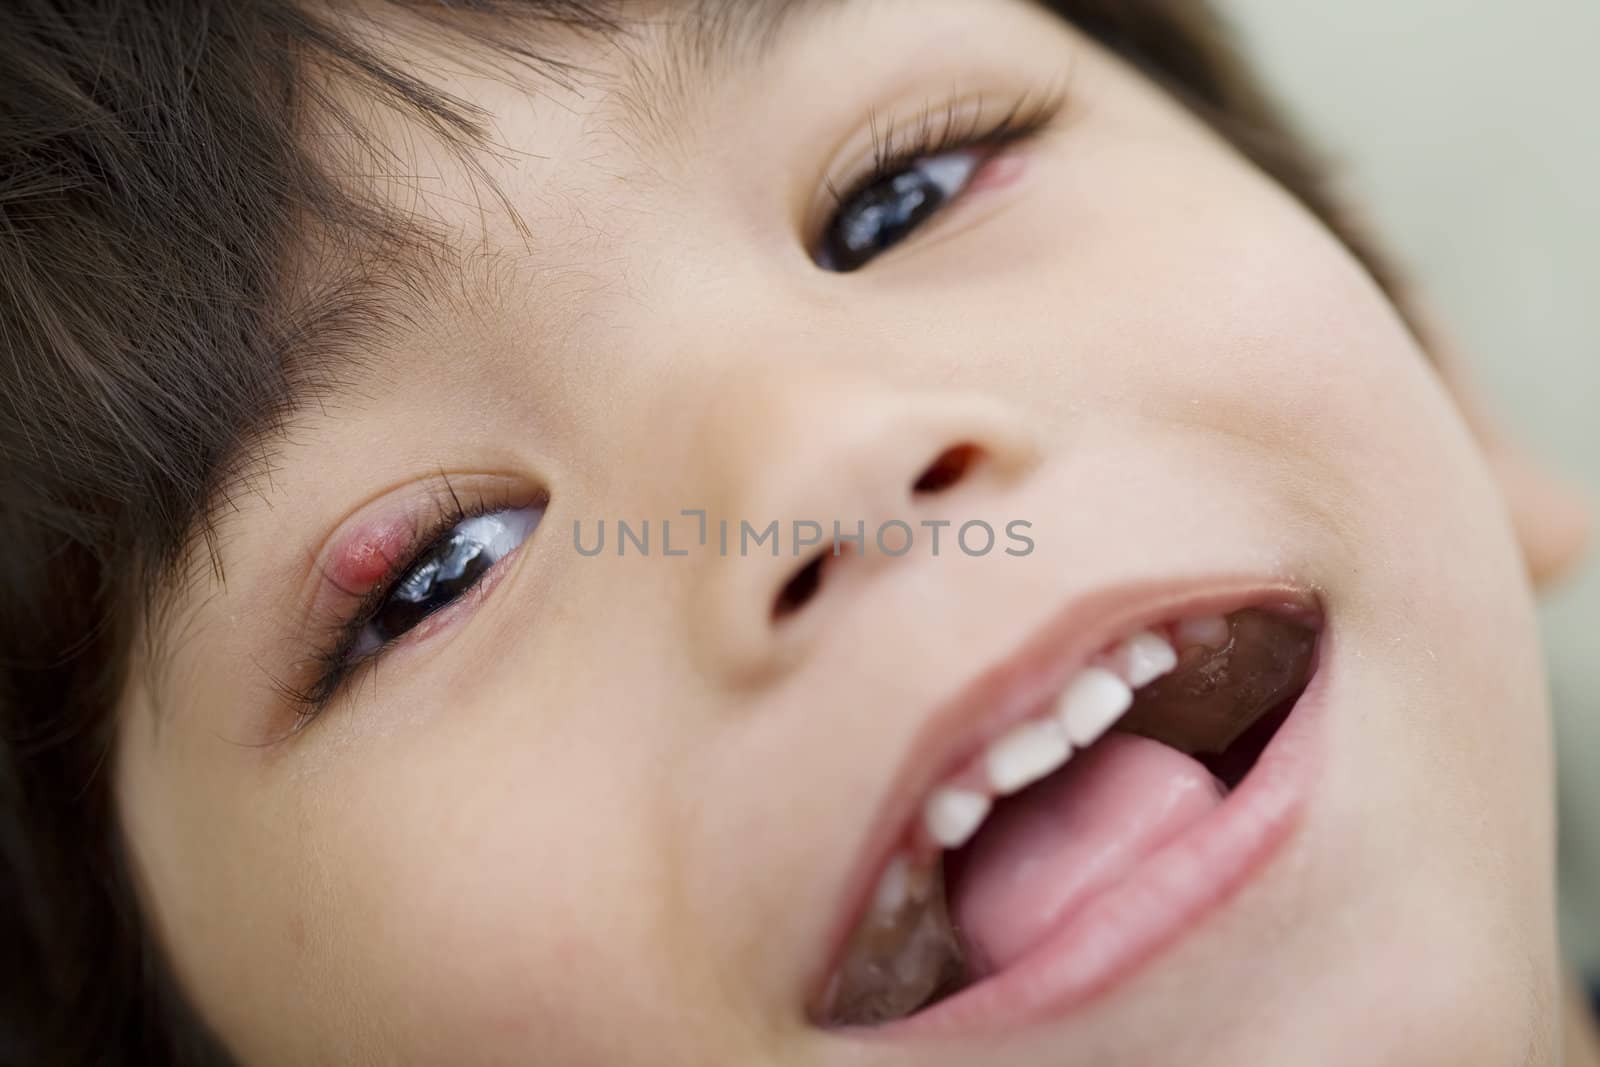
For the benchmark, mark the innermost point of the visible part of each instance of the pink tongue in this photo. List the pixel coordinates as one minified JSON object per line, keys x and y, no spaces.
{"x":1044,"y":852}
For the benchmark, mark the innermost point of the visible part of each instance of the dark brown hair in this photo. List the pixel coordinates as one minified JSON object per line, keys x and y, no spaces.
{"x":154,"y":183}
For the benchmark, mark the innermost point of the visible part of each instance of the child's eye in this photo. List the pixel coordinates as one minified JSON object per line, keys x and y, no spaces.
{"x":919,"y":169}
{"x":888,"y":209}
{"x":442,"y":573}
{"x":459,"y":547}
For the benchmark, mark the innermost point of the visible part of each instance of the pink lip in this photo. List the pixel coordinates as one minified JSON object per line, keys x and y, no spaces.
{"x":1113,"y":934}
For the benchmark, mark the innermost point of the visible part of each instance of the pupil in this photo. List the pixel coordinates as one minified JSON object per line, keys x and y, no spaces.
{"x":881,"y":216}
{"x":449,"y":571}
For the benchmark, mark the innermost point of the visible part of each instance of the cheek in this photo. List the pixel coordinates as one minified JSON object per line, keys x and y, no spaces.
{"x":1152,"y":275}
{"x":494,"y":877}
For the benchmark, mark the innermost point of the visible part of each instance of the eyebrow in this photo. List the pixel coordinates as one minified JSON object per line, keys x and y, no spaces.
{"x":707,"y":38}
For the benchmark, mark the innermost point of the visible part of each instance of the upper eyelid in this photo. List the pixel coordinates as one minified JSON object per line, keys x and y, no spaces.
{"x":356,"y":549}
{"x":368,"y":557}
{"x":953,"y":129}
{"x":1025,"y":116}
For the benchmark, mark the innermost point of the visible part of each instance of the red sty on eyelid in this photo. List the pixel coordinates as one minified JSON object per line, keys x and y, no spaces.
{"x":363,"y":556}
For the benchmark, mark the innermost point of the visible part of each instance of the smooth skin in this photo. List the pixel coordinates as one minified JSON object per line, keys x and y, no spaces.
{"x":603,"y":810}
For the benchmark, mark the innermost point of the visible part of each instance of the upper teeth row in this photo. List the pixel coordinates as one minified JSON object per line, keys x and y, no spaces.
{"x":1090,"y":704}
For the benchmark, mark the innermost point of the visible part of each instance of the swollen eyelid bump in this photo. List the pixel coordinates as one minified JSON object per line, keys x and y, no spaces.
{"x":368,"y":554}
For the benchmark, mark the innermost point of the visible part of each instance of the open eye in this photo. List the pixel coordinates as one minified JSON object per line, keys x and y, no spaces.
{"x":444,"y":572}
{"x":887,"y":209}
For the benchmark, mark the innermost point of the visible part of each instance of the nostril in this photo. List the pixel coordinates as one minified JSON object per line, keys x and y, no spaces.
{"x":947,"y":468}
{"x":799,"y":590}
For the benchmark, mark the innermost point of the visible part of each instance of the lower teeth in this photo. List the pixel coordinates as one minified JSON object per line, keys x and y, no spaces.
{"x":898,"y":960}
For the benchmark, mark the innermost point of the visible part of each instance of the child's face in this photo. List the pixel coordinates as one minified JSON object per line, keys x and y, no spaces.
{"x":608,"y":810}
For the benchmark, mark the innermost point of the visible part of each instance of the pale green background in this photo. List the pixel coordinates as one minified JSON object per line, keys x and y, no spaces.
{"x":1471,"y":130}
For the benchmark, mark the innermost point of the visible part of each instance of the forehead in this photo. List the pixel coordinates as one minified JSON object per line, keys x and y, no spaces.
{"x":538,"y":139}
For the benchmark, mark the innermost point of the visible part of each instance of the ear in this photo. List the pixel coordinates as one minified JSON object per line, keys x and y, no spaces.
{"x":1552,"y":518}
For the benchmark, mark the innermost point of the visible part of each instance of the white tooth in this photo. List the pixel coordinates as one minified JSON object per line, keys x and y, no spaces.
{"x":1143,"y":658}
{"x":893,"y":888}
{"x":952,"y":815}
{"x":1208,"y":630}
{"x":1026,"y":754}
{"x":1094,"y":700}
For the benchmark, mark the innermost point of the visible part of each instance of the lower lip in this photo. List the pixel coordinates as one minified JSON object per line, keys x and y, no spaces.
{"x":1113,"y":935}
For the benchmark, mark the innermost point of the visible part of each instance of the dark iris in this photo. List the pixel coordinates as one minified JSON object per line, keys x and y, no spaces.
{"x":879,"y":217}
{"x":448,"y":571}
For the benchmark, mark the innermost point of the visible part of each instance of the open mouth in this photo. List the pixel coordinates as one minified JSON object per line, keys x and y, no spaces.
{"x":1009,"y":853}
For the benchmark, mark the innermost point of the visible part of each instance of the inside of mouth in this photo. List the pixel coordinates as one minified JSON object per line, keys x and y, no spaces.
{"x":1190,"y":737}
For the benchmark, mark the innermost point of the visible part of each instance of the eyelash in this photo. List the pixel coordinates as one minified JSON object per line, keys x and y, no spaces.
{"x":334,"y":667}
{"x":1028,"y":118}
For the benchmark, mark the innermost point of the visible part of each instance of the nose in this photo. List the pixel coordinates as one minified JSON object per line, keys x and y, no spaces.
{"x":814,"y":488}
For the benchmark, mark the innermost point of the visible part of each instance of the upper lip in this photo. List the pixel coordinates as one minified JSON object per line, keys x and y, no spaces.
{"x":1012,"y":689}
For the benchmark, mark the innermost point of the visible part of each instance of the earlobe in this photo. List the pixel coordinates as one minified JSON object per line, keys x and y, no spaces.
{"x":1552,"y":518}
